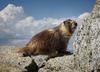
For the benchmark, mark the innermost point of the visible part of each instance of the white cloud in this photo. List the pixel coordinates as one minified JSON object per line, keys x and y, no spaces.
{"x":12,"y":12}
{"x":14,"y":22}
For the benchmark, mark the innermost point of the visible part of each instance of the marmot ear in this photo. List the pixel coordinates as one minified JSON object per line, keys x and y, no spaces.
{"x":64,"y":22}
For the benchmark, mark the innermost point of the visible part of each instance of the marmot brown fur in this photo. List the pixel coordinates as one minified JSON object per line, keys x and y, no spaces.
{"x":51,"y":41}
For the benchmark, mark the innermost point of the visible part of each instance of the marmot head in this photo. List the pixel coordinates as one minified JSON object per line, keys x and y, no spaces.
{"x":70,"y":25}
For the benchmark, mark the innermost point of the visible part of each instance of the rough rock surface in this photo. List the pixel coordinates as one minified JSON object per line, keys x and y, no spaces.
{"x":10,"y":61}
{"x":96,"y":10}
{"x":59,"y":64}
{"x":40,"y":60}
{"x":87,"y":45}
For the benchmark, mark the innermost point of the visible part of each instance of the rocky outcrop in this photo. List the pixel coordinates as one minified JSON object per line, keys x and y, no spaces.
{"x":96,"y":10}
{"x":87,"y":45}
{"x":10,"y":61}
{"x":59,"y":64}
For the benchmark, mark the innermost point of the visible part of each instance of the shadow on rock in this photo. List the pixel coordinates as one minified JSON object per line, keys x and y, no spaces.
{"x":32,"y":67}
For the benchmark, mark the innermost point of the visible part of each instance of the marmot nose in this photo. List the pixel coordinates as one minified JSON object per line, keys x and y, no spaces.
{"x":75,"y":24}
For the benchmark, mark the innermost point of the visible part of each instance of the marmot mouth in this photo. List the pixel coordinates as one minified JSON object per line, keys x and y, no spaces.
{"x":73,"y":29}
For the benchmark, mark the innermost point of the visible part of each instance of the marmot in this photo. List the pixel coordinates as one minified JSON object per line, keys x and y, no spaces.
{"x":51,"y":41}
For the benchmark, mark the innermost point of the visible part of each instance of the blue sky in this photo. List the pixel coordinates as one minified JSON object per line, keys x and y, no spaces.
{"x":51,"y":8}
{"x":19,"y":24}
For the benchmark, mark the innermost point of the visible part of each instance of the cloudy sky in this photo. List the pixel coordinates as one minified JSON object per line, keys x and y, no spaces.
{"x":21,"y":19}
{"x":51,"y":8}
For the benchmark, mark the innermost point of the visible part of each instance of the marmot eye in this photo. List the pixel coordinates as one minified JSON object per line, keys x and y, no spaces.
{"x":68,"y":22}
{"x":74,"y":25}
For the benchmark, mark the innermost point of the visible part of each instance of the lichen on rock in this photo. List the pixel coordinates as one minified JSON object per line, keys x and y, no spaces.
{"x":87,"y":45}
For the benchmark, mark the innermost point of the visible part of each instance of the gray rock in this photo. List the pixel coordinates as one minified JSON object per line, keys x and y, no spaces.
{"x":87,"y":45}
{"x":59,"y":64}
{"x":11,"y":60}
{"x":96,"y":10}
{"x":9,"y":68}
{"x":40,"y":60}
